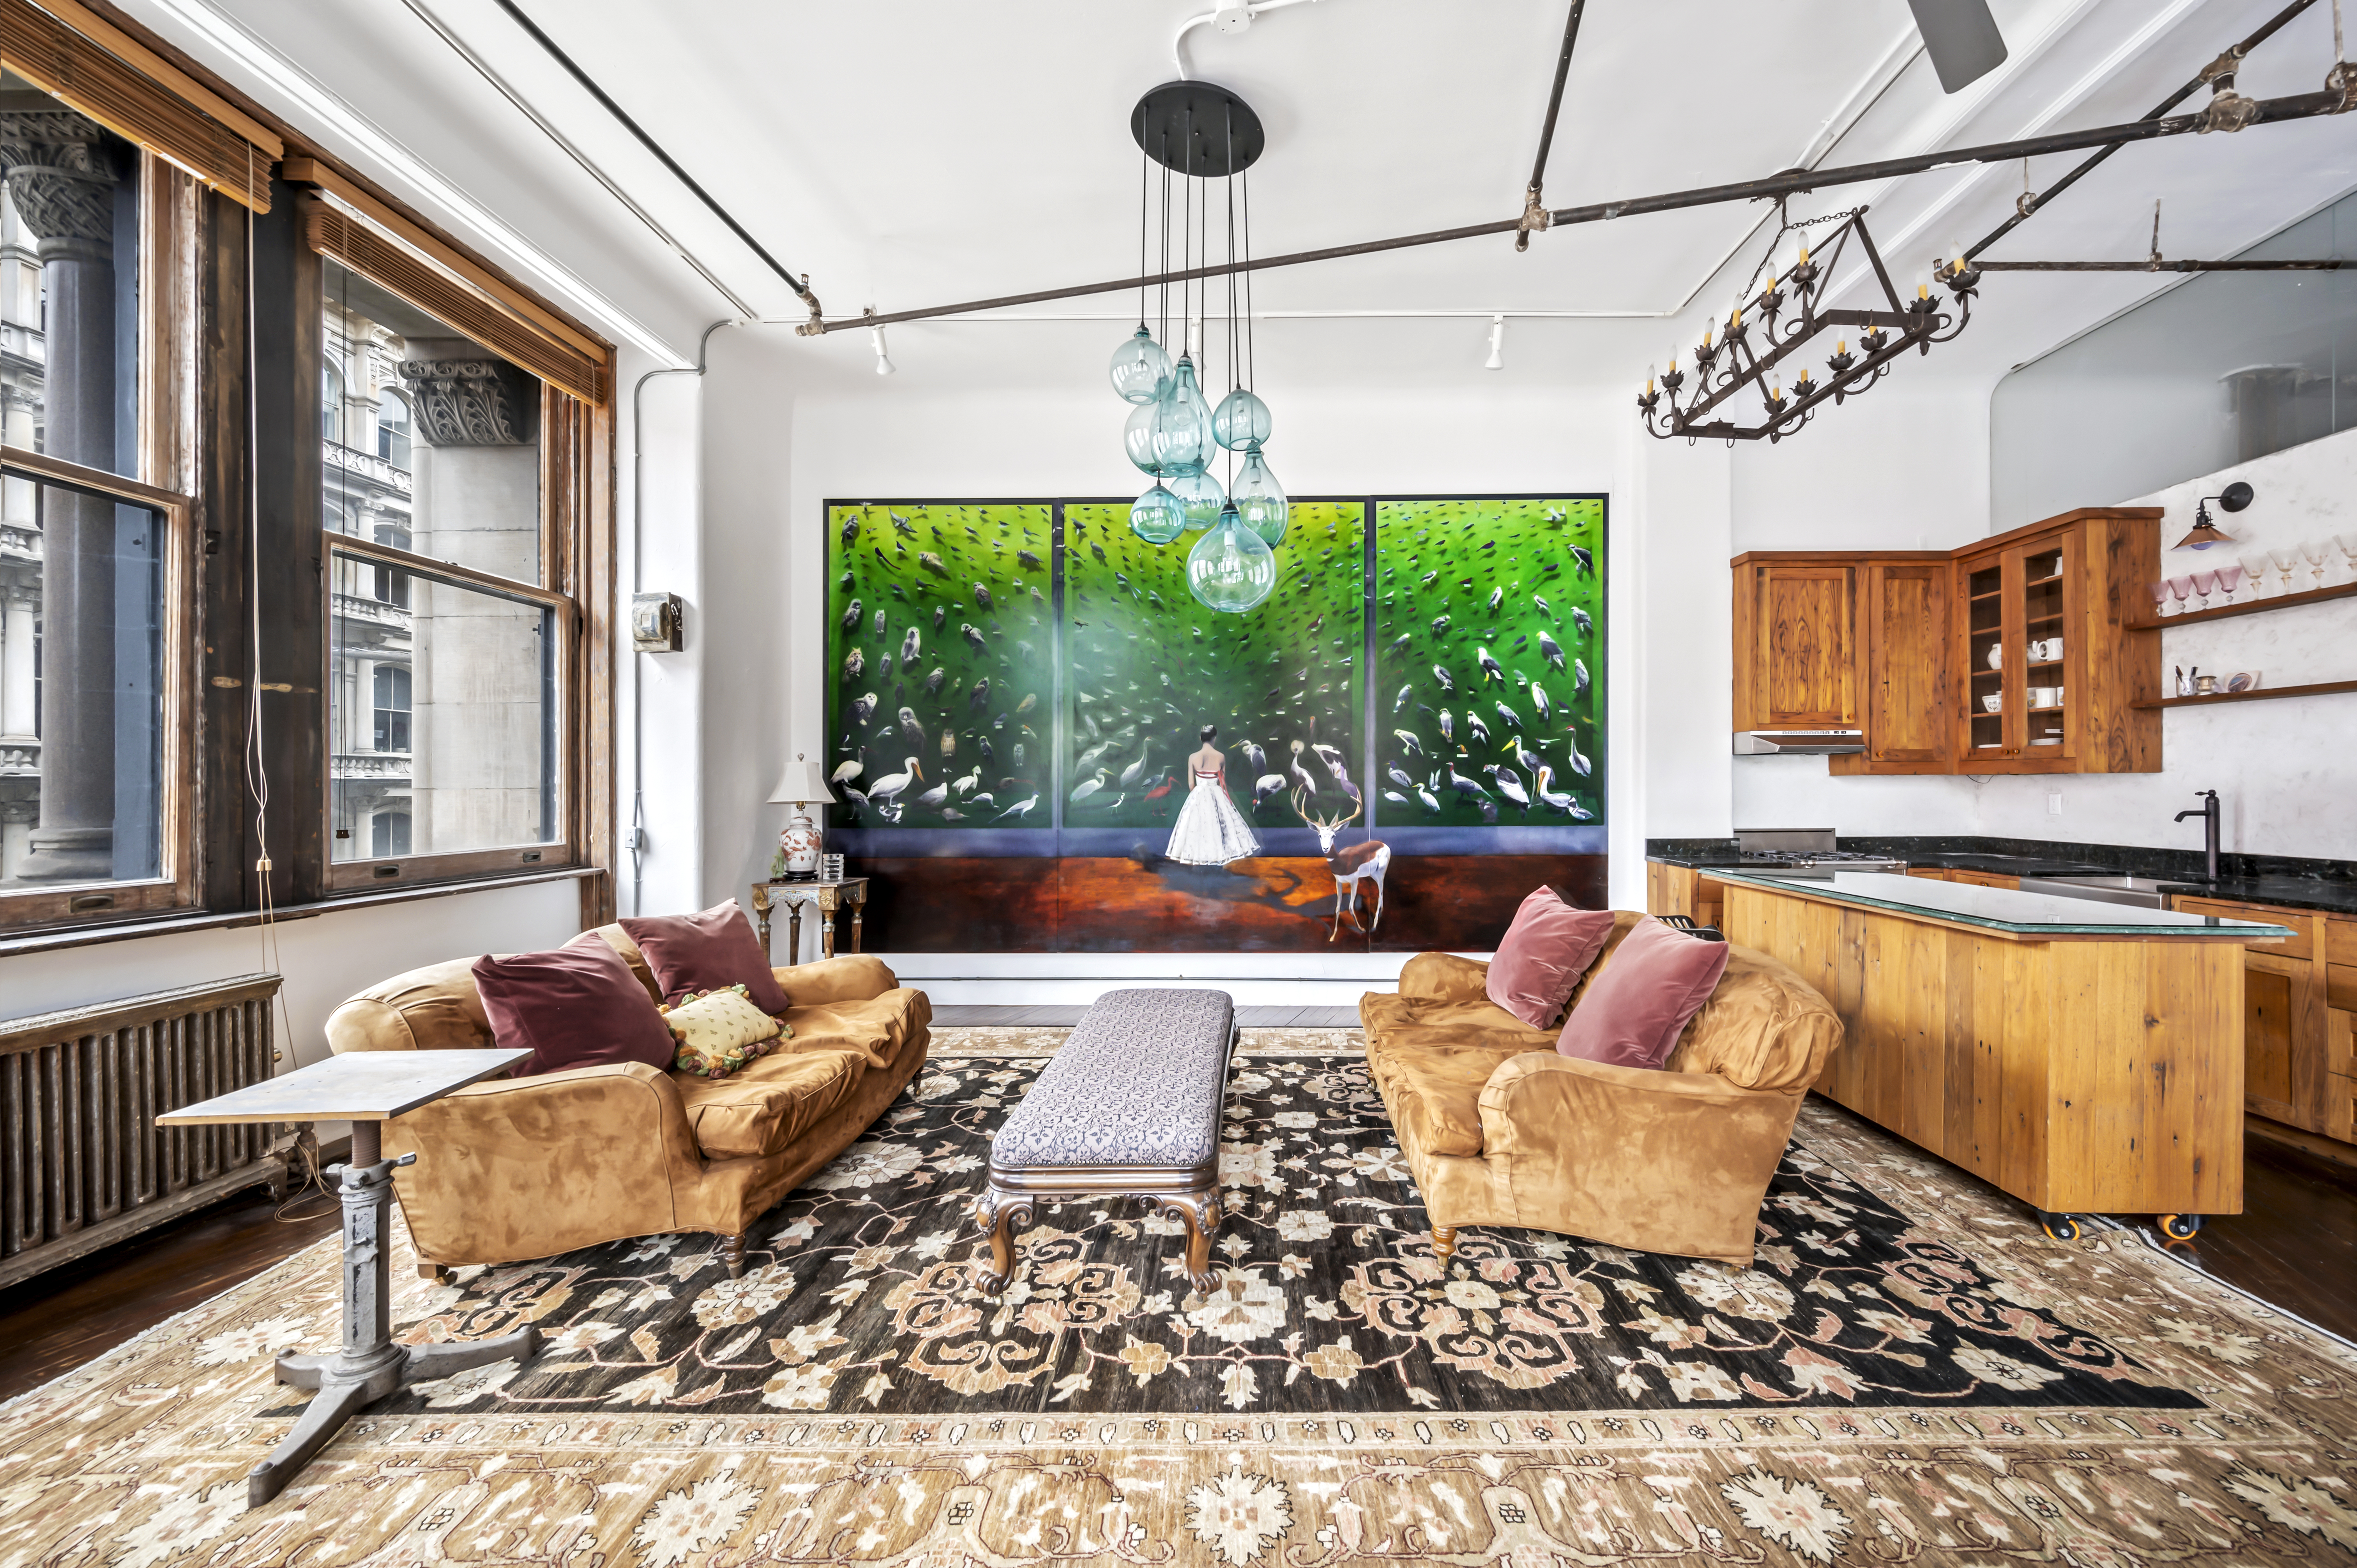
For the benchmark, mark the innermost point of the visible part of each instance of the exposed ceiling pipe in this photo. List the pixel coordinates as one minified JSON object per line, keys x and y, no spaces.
{"x":2031,"y":201}
{"x":800,"y":286}
{"x":2266,"y":110}
{"x":1229,"y":16}
{"x":1534,"y":213}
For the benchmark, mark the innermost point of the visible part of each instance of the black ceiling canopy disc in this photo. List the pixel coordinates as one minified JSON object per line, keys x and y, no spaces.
{"x":1198,"y":128}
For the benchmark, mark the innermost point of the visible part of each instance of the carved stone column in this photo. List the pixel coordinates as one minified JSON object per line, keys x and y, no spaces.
{"x":61,"y":175}
{"x":19,"y":602}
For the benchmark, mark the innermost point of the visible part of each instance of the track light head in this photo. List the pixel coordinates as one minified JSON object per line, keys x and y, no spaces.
{"x":884,"y":365}
{"x":1497,"y":359}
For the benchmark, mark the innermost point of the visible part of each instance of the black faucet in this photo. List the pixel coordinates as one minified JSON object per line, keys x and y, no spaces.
{"x":2208,"y":815}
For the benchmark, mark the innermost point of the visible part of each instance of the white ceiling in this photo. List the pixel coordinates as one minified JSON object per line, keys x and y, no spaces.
{"x":940,"y":150}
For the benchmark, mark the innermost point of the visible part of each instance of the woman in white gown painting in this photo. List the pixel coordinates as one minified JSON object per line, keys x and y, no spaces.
{"x":1210,"y":830}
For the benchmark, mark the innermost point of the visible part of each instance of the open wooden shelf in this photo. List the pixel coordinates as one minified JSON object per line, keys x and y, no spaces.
{"x":2319,"y":689}
{"x":2248,"y":606}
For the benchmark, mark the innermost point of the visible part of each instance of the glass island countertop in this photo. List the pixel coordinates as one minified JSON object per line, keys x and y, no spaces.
{"x":2003,"y":909}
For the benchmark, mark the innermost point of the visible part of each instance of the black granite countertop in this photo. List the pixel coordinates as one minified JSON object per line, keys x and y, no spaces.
{"x":2286,"y":881}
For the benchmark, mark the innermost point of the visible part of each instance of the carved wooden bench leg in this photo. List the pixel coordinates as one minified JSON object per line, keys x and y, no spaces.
{"x":1444,"y":1243}
{"x":995,"y":1215}
{"x":732,"y":1253}
{"x":1200,"y":1212}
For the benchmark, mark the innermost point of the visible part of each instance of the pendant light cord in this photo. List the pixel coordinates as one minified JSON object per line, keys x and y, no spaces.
{"x":1141,"y":234}
{"x":1251,"y":359}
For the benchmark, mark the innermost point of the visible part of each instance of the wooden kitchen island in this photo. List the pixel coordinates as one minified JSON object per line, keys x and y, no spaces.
{"x":2086,"y":1058}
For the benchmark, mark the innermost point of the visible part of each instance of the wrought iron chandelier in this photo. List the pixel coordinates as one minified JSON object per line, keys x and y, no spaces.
{"x":1200,"y":133}
{"x":1786,"y":324}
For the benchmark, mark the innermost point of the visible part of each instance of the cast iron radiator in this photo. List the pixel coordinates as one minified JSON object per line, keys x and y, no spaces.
{"x":82,"y":1163}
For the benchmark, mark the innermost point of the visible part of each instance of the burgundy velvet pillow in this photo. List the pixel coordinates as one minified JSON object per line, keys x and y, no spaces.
{"x":1539,"y":961}
{"x":710,"y":951}
{"x":1640,"y":1003}
{"x":578,"y":1005}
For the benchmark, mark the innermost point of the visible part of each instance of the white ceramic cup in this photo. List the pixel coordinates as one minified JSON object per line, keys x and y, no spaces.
{"x":1996,"y":655}
{"x":1994,"y":701}
{"x":2043,"y":696}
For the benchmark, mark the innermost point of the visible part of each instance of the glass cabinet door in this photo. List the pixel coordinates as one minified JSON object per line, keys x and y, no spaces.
{"x":1984,"y":660}
{"x":2044,"y":694}
{"x":2017,"y":701}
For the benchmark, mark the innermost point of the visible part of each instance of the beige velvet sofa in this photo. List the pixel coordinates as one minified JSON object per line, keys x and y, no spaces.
{"x":1500,"y":1129}
{"x":519,"y":1168}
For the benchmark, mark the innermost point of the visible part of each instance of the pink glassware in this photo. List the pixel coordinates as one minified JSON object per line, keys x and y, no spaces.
{"x":2160,"y":599}
{"x":2204,"y":585}
{"x":2182,"y":587}
{"x":2229,"y":579}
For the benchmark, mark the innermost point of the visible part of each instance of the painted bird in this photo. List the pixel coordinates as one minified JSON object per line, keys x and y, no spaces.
{"x":1162,"y":789}
{"x":1018,"y":809}
{"x":940,"y":616}
{"x":1475,"y":730}
{"x":1091,"y":786}
{"x":1586,"y":562}
{"x":1254,"y":757}
{"x":1510,"y":784}
{"x":965,"y":785}
{"x":1578,"y":678}
{"x":1496,"y":597}
{"x":1539,"y":701}
{"x":1409,"y":742}
{"x":883,"y":791}
{"x":863,"y":709}
{"x":982,"y":596}
{"x":1301,"y":777}
{"x":908,"y":646}
{"x":979,"y":698}
{"x":851,"y":617}
{"x":1395,"y":796}
{"x":911,"y":729}
{"x":1543,"y":608}
{"x":932,"y":799}
{"x":855,"y":665}
{"x":1468,"y":787}
{"x":1267,"y":784}
{"x":1510,"y":716}
{"x":1490,"y":670}
{"x":1581,"y":619}
{"x":1579,"y":764}
{"x":1400,"y":702}
{"x":843,"y":770}
{"x":1447,"y":726}
{"x":1439,"y":625}
{"x":1441,"y":675}
{"x":934,"y":680}
{"x":879,"y":623}
{"x":1399,"y":775}
{"x":1552,"y":651}
{"x":1431,"y":803}
{"x":1136,"y":770}
{"x":973,"y":637}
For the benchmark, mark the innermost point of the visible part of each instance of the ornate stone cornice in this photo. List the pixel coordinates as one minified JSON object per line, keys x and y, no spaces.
{"x":469,"y":403}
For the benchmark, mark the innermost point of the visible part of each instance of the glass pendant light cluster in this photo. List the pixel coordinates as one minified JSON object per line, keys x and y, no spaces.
{"x":1201,"y":134}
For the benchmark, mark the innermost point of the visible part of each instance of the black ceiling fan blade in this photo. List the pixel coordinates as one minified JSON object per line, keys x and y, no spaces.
{"x":1961,"y":37}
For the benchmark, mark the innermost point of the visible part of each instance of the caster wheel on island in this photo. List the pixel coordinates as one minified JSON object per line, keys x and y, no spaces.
{"x":2062,"y":1227}
{"x":2181,"y":1226}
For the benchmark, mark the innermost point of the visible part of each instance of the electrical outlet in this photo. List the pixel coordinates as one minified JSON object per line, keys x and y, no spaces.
{"x":2055,"y":804}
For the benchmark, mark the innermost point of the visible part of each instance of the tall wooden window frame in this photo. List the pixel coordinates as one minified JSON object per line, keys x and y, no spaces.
{"x":167,"y":402}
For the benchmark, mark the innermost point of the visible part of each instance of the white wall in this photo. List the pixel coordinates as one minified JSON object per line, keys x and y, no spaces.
{"x":780,"y":439}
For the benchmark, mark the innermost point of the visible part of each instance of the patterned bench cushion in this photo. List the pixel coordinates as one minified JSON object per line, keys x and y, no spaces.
{"x":1139,"y":1083}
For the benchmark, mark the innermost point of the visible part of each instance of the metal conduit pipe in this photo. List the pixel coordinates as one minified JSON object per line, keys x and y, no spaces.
{"x":2267,"y":110}
{"x":1534,"y":215}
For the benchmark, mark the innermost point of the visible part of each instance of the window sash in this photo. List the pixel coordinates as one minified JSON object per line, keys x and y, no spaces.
{"x":560,"y":848}
{"x":175,"y":885}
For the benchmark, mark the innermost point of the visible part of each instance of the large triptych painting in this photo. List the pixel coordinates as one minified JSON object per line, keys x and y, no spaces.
{"x":1024,"y":698}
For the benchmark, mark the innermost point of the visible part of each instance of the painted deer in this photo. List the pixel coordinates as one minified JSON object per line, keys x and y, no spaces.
{"x":1351,"y":864}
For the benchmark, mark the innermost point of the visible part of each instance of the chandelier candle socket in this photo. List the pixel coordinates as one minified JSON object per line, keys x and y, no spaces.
{"x":1726,"y":367}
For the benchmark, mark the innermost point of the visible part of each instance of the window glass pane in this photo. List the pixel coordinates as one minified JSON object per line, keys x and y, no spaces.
{"x":68,"y":283}
{"x":81,"y":687}
{"x":442,"y":716}
{"x":429,"y":435}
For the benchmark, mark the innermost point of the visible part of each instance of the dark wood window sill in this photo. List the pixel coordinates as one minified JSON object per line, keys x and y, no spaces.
{"x":58,"y":937}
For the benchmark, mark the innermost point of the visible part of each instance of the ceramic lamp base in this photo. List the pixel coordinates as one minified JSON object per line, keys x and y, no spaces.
{"x":799,"y":848}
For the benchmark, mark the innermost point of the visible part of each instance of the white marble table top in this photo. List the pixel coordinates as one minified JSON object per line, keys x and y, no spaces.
{"x":359,"y":1086}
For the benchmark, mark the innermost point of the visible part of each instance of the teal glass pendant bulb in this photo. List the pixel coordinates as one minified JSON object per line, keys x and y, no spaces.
{"x":1201,"y":495}
{"x":1259,"y":499}
{"x":1241,"y":420}
{"x":1158,"y":517}
{"x":1182,"y":424}
{"x":1232,"y":569}
{"x":1140,"y":369}
{"x":1137,"y":436}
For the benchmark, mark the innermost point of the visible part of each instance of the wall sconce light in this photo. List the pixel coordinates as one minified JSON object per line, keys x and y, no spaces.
{"x":1497,"y":359}
{"x":2203,"y":534}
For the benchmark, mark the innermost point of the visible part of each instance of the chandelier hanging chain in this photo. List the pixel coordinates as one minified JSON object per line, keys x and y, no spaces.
{"x":1785,"y":226}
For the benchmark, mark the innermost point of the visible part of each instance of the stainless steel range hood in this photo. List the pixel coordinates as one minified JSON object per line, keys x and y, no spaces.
{"x":1798,"y":742}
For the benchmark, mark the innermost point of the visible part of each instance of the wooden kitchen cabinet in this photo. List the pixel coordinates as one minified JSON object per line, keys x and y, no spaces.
{"x":1796,"y":644}
{"x":2299,"y":1066}
{"x":1933,"y":654}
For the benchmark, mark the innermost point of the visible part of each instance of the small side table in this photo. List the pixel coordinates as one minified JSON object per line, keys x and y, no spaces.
{"x":368,"y":1089}
{"x":851,"y":894}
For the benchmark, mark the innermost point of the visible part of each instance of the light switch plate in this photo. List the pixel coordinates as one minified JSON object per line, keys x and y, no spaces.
{"x":2055,"y":804}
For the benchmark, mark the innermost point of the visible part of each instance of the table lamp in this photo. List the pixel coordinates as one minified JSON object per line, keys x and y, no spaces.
{"x":799,"y":843}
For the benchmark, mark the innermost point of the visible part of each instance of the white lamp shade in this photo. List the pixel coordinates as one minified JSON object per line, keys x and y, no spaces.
{"x":803,"y":782}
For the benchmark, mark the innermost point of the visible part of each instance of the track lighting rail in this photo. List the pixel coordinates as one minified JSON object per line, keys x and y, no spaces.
{"x":2160,"y":266}
{"x":2267,"y":110}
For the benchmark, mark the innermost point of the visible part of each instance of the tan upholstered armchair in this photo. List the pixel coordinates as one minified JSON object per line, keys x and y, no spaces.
{"x":513,"y":1169}
{"x":1500,"y":1130}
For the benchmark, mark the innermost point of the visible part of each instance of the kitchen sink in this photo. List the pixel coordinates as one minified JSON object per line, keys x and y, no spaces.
{"x":2144,"y":892}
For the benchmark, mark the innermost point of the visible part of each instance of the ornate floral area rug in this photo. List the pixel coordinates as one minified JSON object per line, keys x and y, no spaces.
{"x":1911,"y":1371}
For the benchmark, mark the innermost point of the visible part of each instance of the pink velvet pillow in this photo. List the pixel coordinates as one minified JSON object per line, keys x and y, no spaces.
{"x":710,"y":951}
{"x":1542,"y":956}
{"x":578,"y":1005}
{"x":1640,"y":1003}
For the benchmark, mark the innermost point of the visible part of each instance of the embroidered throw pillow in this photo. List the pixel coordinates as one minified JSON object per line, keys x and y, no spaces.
{"x":719,"y":1031}
{"x":1542,"y":956}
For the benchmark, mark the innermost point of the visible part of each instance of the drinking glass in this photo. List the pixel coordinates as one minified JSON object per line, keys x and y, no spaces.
{"x":2348,"y":543}
{"x":2204,"y":585}
{"x":2229,"y":579}
{"x":2160,"y":599}
{"x":2285,"y":561}
{"x":2180,"y":587}
{"x":2316,"y":551}
{"x":2256,"y":563}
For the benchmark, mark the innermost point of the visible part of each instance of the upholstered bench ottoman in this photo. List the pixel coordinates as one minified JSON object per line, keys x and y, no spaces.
{"x":1129,"y":1106}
